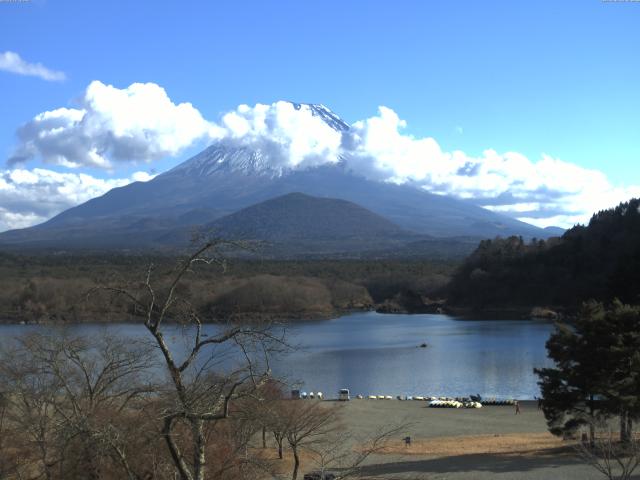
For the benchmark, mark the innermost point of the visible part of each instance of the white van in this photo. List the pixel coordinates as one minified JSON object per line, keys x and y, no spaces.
{"x":343,"y":394}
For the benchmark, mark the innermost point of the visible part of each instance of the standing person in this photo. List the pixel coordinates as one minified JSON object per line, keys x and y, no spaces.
{"x":517,"y":407}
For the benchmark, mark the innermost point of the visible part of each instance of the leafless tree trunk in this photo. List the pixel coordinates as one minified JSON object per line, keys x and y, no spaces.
{"x":307,"y":423}
{"x":199,"y":392}
{"x":279,"y":440}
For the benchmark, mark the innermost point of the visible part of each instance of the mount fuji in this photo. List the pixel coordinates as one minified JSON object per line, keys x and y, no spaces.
{"x":226,"y":178}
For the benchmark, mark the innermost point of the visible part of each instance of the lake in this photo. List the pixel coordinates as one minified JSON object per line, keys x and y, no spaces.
{"x":380,"y":354}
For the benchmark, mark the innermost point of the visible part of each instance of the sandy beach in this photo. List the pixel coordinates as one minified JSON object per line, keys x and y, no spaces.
{"x":488,"y":443}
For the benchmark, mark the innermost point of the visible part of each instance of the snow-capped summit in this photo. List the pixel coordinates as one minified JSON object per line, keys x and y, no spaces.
{"x":221,"y":157}
{"x":255,"y":158}
{"x":330,"y":118}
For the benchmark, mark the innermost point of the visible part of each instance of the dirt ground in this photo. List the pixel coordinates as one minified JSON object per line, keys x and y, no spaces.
{"x":488,"y":443}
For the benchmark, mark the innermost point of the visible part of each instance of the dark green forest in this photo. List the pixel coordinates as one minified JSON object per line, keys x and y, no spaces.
{"x":599,"y":261}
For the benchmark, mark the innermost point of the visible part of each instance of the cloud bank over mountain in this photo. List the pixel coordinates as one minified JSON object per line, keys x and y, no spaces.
{"x":545,"y":192}
{"x":291,"y":136}
{"x":140,"y":123}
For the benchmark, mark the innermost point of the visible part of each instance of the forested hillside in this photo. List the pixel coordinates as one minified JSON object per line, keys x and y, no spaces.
{"x":53,"y":288}
{"x":598,"y":261}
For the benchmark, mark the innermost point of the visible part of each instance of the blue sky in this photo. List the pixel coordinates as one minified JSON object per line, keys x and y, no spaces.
{"x":556,"y":78}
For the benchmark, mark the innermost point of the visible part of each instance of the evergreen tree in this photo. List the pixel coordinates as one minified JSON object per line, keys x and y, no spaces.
{"x":597,"y":372}
{"x":571,"y":391}
{"x":599,"y":261}
{"x":623,"y":388}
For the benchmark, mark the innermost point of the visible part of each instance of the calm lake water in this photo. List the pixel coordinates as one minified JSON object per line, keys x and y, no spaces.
{"x":376,"y":354}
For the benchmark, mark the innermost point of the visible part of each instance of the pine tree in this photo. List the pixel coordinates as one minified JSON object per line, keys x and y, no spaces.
{"x":623,"y":388}
{"x":597,"y":372}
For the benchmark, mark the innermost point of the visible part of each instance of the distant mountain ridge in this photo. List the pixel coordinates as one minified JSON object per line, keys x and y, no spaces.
{"x":225,"y":178}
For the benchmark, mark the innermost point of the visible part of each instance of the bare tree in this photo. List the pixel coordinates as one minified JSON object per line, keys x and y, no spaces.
{"x":201,"y":386}
{"x":344,"y":454}
{"x":69,"y":396}
{"x":274,"y":417}
{"x":307,"y":423}
{"x":263,"y":409}
{"x":29,"y":409}
{"x":9,"y":464}
{"x":314,"y":427}
{"x":614,"y":457}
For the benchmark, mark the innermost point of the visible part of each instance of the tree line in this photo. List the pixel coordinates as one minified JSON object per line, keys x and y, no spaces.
{"x":598,"y":261}
{"x":41,"y":289}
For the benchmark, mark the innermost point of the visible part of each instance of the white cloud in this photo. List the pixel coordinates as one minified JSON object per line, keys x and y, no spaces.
{"x":545,"y":192}
{"x":137,"y":123}
{"x":13,"y":63}
{"x":141,"y":123}
{"x":28,"y":197}
{"x":289,"y":136}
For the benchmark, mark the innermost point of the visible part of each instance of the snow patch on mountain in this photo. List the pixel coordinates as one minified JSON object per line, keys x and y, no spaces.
{"x":330,"y":118}
{"x":221,"y":158}
{"x":256,"y":142}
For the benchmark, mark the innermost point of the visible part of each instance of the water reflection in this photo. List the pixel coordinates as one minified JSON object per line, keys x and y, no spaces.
{"x":372,"y":353}
{"x":380,"y":354}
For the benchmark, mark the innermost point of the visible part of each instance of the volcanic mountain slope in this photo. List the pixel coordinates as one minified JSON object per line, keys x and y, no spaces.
{"x":225,"y":178}
{"x":296,"y":216}
{"x":296,"y":224}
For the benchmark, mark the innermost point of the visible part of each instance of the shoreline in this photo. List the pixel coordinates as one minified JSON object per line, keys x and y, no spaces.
{"x":462,"y":313}
{"x":376,"y":354}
